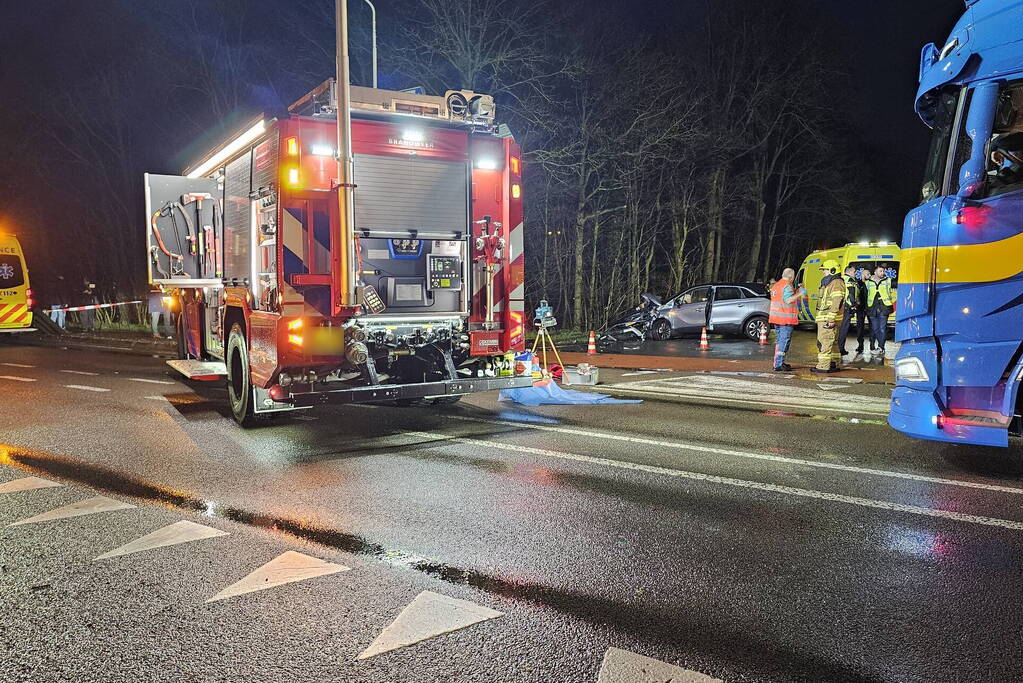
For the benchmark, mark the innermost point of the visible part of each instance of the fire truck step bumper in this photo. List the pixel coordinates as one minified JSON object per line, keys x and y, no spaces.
{"x":391,"y":392}
{"x":204,"y":371}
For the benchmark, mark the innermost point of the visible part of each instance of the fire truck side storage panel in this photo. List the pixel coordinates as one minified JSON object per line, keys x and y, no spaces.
{"x":162,"y":192}
{"x":237,"y":220}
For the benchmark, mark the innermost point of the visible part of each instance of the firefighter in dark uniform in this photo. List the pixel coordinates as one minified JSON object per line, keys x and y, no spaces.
{"x":853,"y":306}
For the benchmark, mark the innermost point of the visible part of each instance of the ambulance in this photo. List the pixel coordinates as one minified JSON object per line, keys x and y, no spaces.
{"x":15,"y":291}
{"x":865,"y":256}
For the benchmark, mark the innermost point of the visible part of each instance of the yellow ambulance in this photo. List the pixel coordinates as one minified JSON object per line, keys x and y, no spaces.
{"x":865,"y":256}
{"x":15,"y":290}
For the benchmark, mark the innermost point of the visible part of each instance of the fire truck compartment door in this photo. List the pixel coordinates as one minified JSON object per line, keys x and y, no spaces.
{"x":410,"y":193}
{"x":181,"y":241}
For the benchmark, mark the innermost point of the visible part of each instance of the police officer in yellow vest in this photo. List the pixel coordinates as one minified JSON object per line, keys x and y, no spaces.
{"x":880,"y":303}
{"x":830,"y":309}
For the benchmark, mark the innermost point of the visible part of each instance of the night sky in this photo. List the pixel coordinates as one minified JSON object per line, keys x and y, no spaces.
{"x":47,"y":44}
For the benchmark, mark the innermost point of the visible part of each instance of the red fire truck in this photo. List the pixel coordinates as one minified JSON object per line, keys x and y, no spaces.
{"x":420,"y":301}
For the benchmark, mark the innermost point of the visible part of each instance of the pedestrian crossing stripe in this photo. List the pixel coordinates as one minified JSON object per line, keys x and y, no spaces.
{"x":752,"y":392}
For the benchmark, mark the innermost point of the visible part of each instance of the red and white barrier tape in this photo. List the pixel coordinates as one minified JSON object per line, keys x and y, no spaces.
{"x":72,"y":309}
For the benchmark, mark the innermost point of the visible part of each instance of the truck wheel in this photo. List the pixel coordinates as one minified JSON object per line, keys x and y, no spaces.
{"x":661,"y":330}
{"x":239,"y":384}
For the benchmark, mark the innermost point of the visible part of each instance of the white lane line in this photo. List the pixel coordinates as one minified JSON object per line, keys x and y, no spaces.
{"x":17,"y":379}
{"x":156,"y":398}
{"x":83,"y":387}
{"x":81,"y":372}
{"x":149,"y":381}
{"x":741,"y":483}
{"x":17,"y":365}
{"x":747,"y":454}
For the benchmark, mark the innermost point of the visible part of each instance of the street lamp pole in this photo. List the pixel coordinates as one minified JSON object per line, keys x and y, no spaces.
{"x":373,"y":11}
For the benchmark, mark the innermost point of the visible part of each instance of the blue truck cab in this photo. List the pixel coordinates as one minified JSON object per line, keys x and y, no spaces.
{"x":959,"y":314}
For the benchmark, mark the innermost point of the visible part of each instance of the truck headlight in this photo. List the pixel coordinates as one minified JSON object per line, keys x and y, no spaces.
{"x":911,"y":369}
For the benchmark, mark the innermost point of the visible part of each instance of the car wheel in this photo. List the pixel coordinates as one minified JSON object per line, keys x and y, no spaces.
{"x":239,"y":384}
{"x":752,"y":327}
{"x":661,"y":330}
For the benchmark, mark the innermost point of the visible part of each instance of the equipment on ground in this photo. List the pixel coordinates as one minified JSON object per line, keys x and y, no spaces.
{"x":959,"y":308}
{"x":544,"y":321}
{"x":306,"y":290}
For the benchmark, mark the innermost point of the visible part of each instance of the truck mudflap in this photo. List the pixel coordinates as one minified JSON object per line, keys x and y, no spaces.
{"x":391,"y":392}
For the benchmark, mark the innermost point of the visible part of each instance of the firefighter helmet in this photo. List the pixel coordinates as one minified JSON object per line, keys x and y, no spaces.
{"x":831,"y":265}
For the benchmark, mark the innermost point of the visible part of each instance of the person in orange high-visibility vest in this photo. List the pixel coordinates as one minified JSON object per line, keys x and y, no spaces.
{"x":784,"y":317}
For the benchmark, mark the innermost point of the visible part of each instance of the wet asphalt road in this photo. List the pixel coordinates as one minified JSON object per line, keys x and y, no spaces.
{"x":746,"y":544}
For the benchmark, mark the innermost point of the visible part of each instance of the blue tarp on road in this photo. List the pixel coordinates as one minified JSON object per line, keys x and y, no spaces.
{"x":552,"y":394}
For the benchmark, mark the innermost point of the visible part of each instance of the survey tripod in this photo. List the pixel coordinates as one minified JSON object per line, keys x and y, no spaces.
{"x":544,"y":321}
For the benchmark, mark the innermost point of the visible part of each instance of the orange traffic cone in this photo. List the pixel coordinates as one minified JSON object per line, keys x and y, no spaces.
{"x":704,"y":344}
{"x":591,"y":348}
{"x":763,"y":334}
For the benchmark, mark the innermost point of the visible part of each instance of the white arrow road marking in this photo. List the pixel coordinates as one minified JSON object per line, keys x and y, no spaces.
{"x":172,"y":534}
{"x":429,"y":615}
{"x":26,"y":484}
{"x":89,"y":506}
{"x":622,"y":666}
{"x":743,"y":483}
{"x":84,"y":387}
{"x":149,"y":381}
{"x":17,"y":365}
{"x":17,"y":379}
{"x":81,"y":372}
{"x":287,"y":568}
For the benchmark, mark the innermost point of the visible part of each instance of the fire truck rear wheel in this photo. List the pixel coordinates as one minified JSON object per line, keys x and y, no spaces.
{"x":239,"y":385}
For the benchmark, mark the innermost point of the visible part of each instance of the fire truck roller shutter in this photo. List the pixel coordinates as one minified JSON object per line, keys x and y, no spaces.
{"x":410,"y":193}
{"x":394,"y":195}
